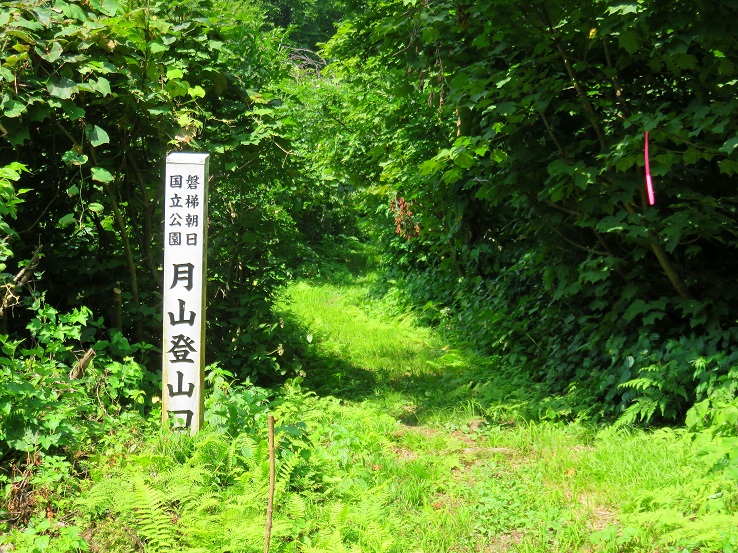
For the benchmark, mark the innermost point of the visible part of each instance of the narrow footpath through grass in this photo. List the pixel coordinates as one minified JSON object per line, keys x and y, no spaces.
{"x":391,"y":440}
{"x":458,"y":466}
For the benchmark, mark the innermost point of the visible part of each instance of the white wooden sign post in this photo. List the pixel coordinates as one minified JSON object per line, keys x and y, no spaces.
{"x":185,"y":263}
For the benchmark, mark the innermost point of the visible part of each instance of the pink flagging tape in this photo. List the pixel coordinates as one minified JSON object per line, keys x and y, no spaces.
{"x":649,"y":182}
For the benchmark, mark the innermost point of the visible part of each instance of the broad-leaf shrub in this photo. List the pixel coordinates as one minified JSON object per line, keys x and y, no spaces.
{"x":517,"y":133}
{"x":49,"y":402}
{"x":93,"y":95}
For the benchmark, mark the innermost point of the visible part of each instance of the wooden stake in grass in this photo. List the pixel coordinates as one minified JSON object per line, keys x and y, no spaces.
{"x":270,"y":501}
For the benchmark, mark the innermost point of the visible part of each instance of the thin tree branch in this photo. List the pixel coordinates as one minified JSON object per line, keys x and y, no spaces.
{"x":559,"y":147}
{"x":575,"y":244}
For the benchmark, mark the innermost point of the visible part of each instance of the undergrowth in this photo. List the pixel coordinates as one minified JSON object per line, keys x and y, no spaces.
{"x":391,"y":440}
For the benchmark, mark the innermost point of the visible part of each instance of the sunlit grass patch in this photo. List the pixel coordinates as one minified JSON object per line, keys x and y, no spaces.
{"x":497,"y":449}
{"x":394,"y":441}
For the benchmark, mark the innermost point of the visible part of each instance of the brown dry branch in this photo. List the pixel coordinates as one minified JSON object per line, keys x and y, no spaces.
{"x":21,"y":498}
{"x":81,"y":365}
{"x":272,"y":478}
{"x":20,"y":280}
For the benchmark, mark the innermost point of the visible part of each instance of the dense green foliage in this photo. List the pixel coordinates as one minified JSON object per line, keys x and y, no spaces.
{"x":491,"y":154}
{"x":404,"y":454}
{"x":508,"y":141}
{"x":308,"y":22}
{"x":93,"y":97}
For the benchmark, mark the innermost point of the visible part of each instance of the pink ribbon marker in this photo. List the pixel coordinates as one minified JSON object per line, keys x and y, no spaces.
{"x":649,"y":182}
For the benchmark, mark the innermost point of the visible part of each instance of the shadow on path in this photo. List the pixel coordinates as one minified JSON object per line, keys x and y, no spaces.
{"x":410,"y":371}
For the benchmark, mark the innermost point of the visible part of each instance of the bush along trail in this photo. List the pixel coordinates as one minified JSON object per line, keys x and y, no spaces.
{"x":390,"y":440}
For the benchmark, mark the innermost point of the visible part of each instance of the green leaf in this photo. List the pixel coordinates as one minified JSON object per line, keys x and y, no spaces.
{"x":73,"y":11}
{"x":111,"y":7}
{"x":101,"y":175}
{"x":18,"y":137}
{"x":72,"y":111}
{"x":611,"y":223}
{"x":176,"y":88}
{"x":636,"y":308}
{"x":452,"y":176}
{"x":43,"y":15}
{"x":102,"y":85}
{"x":53,"y":54}
{"x":630,"y":40}
{"x":728,"y":166}
{"x":623,"y":8}
{"x":159,"y":110}
{"x":729,"y":415}
{"x":6,"y":74}
{"x":430,"y":166}
{"x":482,"y":41}
{"x":95,"y":207}
{"x":108,"y":7}
{"x":196,"y":92}
{"x":67,"y":220}
{"x":97,"y":136}
{"x":13,"y":108}
{"x":72,"y":157}
{"x":174,"y":74}
{"x":464,"y":160}
{"x":697,"y":414}
{"x":64,"y":89}
{"x":157,"y":47}
{"x":729,"y":145}
{"x":560,"y":167}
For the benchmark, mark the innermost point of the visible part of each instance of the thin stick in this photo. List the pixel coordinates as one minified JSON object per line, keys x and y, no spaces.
{"x":270,"y":502}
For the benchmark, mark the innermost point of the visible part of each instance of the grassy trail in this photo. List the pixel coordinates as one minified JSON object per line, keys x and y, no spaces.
{"x":451,"y":463}
{"x":390,"y":441}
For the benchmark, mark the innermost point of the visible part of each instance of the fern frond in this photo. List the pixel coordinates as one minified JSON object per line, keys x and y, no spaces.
{"x":338,"y":514}
{"x":641,"y":410}
{"x":245,"y":450}
{"x":642,"y":383}
{"x":99,"y":498}
{"x":151,"y":514}
{"x":296,"y":507}
{"x":285,"y":470}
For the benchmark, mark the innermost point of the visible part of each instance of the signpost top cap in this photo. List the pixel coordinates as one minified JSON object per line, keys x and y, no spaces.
{"x":188,"y":158}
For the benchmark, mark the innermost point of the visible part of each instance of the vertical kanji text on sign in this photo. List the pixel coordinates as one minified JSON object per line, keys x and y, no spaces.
{"x":185,"y":264}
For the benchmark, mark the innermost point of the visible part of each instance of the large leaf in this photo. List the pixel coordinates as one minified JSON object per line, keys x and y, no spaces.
{"x":96,"y":135}
{"x":108,"y":7}
{"x":102,"y":85}
{"x":72,"y":157}
{"x":73,"y":11}
{"x":14,"y":108}
{"x":730,"y":145}
{"x":101,"y":175}
{"x":72,"y":110}
{"x":157,"y":47}
{"x":64,"y":88}
{"x":53,"y":54}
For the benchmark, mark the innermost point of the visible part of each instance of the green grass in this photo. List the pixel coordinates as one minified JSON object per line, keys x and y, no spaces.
{"x":473,"y":469}
{"x":396,"y":441}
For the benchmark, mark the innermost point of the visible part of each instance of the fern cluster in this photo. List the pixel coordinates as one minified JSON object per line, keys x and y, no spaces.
{"x":208,"y":492}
